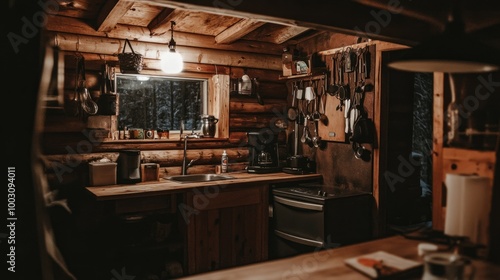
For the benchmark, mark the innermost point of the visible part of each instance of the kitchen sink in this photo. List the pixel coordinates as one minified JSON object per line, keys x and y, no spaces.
{"x":192,"y":178}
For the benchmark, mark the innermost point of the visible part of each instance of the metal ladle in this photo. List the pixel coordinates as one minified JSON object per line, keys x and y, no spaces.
{"x":316,"y":139}
{"x":322,"y":104}
{"x":333,"y":88}
{"x":293,"y":111}
{"x":304,"y":132}
{"x":316,"y":115}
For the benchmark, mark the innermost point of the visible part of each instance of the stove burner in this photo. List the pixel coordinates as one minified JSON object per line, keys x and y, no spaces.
{"x":317,"y":191}
{"x":311,"y":191}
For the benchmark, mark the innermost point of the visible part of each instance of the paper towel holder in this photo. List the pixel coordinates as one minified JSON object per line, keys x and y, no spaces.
{"x":466,"y":220}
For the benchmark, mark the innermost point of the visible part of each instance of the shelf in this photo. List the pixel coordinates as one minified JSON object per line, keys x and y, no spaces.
{"x":175,"y":138}
{"x":380,"y":46}
{"x":309,"y":76}
{"x":464,"y":154}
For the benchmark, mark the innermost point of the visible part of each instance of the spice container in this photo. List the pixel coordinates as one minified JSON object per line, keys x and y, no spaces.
{"x":224,"y":162}
{"x":163,"y":133}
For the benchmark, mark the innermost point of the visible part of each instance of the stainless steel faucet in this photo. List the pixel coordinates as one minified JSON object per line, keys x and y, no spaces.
{"x":186,"y":165}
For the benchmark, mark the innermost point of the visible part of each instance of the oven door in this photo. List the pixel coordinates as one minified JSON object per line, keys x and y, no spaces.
{"x":298,"y":227}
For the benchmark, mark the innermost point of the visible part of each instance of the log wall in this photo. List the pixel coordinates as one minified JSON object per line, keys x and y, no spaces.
{"x":68,"y":146}
{"x":66,"y":141}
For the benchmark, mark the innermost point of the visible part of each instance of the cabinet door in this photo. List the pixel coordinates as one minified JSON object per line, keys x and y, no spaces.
{"x":226,"y":228}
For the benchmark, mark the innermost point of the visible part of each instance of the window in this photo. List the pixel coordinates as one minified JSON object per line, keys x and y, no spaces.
{"x":160,"y":102}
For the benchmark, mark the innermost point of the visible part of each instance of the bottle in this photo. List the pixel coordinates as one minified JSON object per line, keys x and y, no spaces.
{"x":224,"y":162}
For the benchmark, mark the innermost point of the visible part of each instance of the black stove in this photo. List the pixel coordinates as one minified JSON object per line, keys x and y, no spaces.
{"x":316,"y":192}
{"x":310,"y":216}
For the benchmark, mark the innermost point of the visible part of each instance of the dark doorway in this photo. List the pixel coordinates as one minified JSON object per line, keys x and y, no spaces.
{"x":406,"y":147}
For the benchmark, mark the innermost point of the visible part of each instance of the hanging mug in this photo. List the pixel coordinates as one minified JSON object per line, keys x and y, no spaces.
{"x":149,"y":134}
{"x":310,"y":94}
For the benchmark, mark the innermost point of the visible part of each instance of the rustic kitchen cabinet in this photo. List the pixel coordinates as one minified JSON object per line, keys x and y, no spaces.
{"x":145,"y":235}
{"x":226,"y":227}
{"x":211,"y":225}
{"x":474,"y":153}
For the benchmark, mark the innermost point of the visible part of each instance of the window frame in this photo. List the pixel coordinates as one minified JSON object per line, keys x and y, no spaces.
{"x":204,"y":92}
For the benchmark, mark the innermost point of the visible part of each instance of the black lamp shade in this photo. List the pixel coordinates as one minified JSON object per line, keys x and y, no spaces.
{"x":452,"y":52}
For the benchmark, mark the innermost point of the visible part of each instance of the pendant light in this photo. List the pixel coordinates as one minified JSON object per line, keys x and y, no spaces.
{"x":171,"y":61}
{"x":453,"y":51}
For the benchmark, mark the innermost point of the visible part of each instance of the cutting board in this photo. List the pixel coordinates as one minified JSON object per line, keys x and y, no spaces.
{"x":335,"y":130}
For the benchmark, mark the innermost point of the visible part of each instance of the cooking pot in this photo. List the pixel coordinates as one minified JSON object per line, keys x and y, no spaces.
{"x":298,"y":161}
{"x":208,"y":127}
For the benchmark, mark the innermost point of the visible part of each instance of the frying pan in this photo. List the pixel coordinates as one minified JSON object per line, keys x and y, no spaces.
{"x":360,"y":152}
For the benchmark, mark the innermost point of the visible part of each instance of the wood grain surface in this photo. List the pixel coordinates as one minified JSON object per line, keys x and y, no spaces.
{"x":167,"y":186}
{"x":329,"y":264}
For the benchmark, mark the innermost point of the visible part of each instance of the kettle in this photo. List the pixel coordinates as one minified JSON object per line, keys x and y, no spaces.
{"x":208,"y":127}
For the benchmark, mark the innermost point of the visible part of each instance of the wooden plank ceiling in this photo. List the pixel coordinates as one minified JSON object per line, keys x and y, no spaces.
{"x":273,"y":24}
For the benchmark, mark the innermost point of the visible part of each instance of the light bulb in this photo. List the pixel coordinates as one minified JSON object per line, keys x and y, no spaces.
{"x":171,"y":62}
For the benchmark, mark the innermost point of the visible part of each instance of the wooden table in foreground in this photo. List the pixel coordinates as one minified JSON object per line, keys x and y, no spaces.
{"x":329,"y":264}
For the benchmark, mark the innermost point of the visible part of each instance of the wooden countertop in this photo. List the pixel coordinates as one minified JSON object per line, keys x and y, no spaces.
{"x":167,"y":186}
{"x":329,"y":264}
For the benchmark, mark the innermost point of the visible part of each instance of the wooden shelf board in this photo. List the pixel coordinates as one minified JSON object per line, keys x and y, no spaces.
{"x":462,"y":154}
{"x":316,"y":76}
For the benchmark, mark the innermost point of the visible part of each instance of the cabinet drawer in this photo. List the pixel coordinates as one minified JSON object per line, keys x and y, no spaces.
{"x":223,"y":199}
{"x":145,"y":204}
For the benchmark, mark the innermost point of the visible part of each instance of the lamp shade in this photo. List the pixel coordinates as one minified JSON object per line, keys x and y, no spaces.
{"x":453,"y":51}
{"x":171,"y":62}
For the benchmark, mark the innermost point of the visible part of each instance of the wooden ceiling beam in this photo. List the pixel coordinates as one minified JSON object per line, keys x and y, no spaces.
{"x":274,"y":33}
{"x":74,"y":26}
{"x":111,"y":13}
{"x":346,"y":17}
{"x":161,"y":23}
{"x":237,"y":31}
{"x":289,"y":33}
{"x":112,"y":47}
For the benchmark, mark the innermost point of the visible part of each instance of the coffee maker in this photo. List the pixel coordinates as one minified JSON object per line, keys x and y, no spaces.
{"x":263,"y":152}
{"x":129,"y":166}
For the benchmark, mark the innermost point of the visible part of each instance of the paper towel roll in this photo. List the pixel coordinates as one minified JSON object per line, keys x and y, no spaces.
{"x":468,"y":202}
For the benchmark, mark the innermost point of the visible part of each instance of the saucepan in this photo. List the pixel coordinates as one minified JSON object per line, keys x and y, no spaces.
{"x":298,"y":161}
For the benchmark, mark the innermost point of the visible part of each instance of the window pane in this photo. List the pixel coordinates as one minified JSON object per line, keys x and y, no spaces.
{"x":160,"y":102}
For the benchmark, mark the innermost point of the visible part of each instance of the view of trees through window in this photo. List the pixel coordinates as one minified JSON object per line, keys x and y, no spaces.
{"x":155,"y":102}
